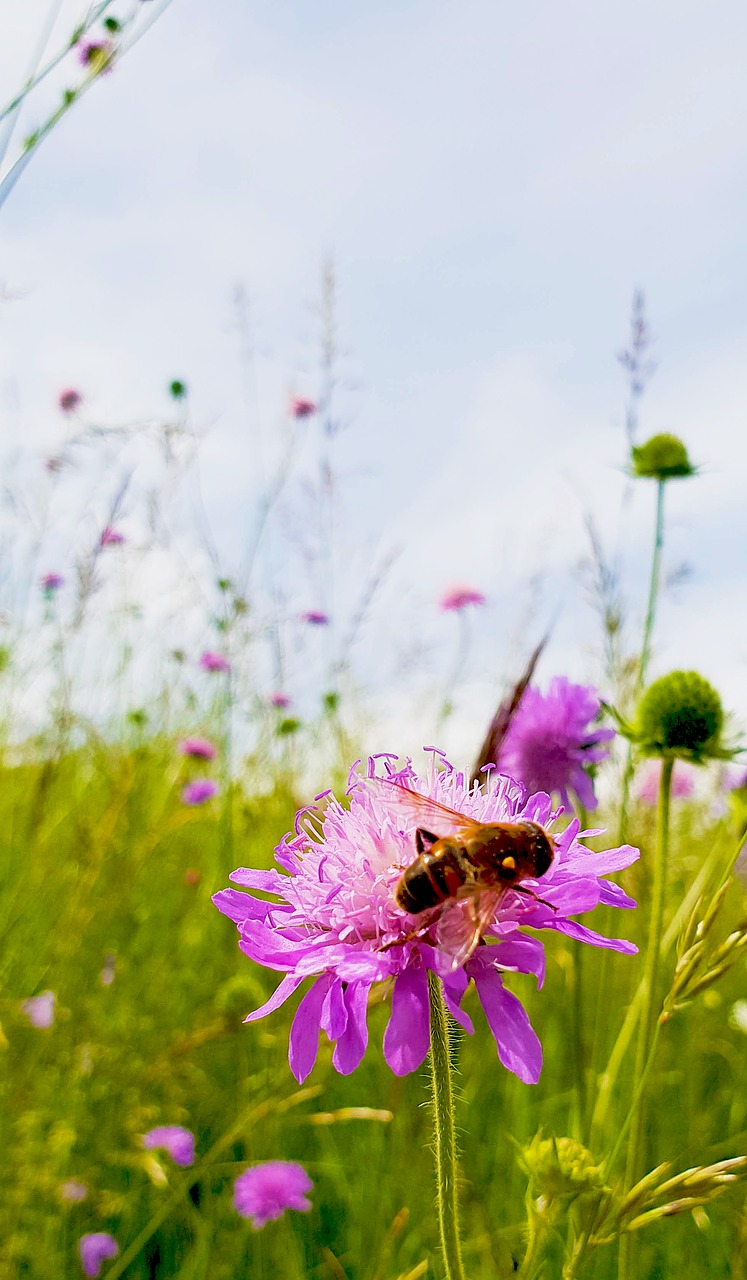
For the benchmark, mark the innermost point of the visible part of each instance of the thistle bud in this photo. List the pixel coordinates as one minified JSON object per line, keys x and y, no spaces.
{"x":663,"y":457}
{"x":680,"y":715}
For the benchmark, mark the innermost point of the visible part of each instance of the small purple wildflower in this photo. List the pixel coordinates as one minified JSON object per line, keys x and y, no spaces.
{"x":210,"y":661}
{"x":264,"y":1191}
{"x":52,"y":582}
{"x":551,"y":740}
{"x":315,"y":618}
{"x":178,"y":1142}
{"x":302,"y":407}
{"x":457,"y":598}
{"x":111,"y":537}
{"x":69,"y":400}
{"x":199,"y":790}
{"x":337,"y":920}
{"x":108,"y":973}
{"x":94,"y":1249}
{"x":683,"y":781}
{"x":73,"y":1191}
{"x":40,"y":1010}
{"x":96,"y":56}
{"x":280,"y":700}
{"x":199,"y":748}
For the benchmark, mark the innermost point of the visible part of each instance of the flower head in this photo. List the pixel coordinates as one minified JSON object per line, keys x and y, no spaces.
{"x":69,"y":400}
{"x":264,"y":1191}
{"x":302,"y":407}
{"x":94,"y":1249}
{"x":52,"y":582}
{"x":40,"y":1010}
{"x":454,"y":599}
{"x":663,"y":457}
{"x":178,"y":1142}
{"x":198,"y":748}
{"x":111,"y":537}
{"x":337,"y":921}
{"x":680,"y":715}
{"x":210,"y":661}
{"x":553,"y":738}
{"x":683,"y":782}
{"x":199,"y":790}
{"x":96,"y":56}
{"x":73,"y":1191}
{"x":315,"y":618}
{"x":280,"y":700}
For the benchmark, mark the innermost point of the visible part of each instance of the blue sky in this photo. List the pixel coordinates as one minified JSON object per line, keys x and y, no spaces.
{"x":493,"y":182}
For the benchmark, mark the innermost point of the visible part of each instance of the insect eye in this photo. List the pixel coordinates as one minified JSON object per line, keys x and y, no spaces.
{"x":509,"y":864}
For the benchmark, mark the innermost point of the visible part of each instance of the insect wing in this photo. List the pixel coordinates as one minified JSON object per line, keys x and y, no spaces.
{"x":424,"y":812}
{"x":463,"y":924}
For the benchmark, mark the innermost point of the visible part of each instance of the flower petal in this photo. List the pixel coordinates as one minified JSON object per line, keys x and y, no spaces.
{"x":304,"y":1037}
{"x":523,"y":953}
{"x":408,"y":1036}
{"x":351,"y":1046}
{"x":279,"y":996}
{"x":454,"y":985}
{"x":572,"y":929}
{"x":518,"y":1047}
{"x":334,"y":1017}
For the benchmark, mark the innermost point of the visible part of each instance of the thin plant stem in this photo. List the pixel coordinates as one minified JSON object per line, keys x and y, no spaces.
{"x":580,"y":1063}
{"x":444,"y":1132}
{"x":647,"y":1022}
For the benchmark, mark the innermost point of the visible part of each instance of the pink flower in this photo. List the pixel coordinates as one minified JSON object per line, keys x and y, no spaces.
{"x":111,"y":537}
{"x":337,"y":920}
{"x":683,"y":781}
{"x":552,"y":740}
{"x":95,"y":1249}
{"x":199,"y":791}
{"x":178,"y":1142}
{"x":40,"y":1009}
{"x":301,"y":407}
{"x":52,"y":582}
{"x":96,"y":56}
{"x":315,"y":618}
{"x":264,"y":1191}
{"x":73,"y":1191}
{"x":69,"y":400}
{"x":457,"y":598}
{"x":210,"y":661}
{"x":199,"y":748}
{"x":280,"y":700}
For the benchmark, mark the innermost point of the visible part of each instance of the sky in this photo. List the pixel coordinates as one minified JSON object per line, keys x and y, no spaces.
{"x":492,"y":182}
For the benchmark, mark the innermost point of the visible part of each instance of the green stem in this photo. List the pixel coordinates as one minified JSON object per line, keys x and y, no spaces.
{"x":444,"y":1131}
{"x":647,"y":1022}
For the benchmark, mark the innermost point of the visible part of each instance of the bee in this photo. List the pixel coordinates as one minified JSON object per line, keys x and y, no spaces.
{"x":468,"y":861}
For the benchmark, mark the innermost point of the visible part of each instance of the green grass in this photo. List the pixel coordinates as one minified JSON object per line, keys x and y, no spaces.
{"x":99,"y":859}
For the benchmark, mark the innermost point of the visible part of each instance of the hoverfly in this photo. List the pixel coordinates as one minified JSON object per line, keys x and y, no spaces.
{"x":467,"y":861}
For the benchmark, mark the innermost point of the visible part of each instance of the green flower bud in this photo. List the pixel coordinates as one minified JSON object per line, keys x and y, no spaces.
{"x":178,"y":389}
{"x":663,"y":457}
{"x":680,"y":715}
{"x":560,"y":1167}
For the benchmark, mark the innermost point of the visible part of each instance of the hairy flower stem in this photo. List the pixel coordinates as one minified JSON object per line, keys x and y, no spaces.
{"x":647,"y":1024}
{"x":444,"y":1132}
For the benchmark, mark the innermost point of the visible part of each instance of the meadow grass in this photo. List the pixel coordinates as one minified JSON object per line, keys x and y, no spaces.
{"x":103,"y":867}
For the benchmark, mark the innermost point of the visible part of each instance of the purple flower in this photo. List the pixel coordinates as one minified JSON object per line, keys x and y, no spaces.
{"x":40,"y":1009}
{"x":73,"y":1191}
{"x":264,"y":1191}
{"x":69,"y":400}
{"x":199,"y":748}
{"x":178,"y":1142}
{"x":52,"y":582}
{"x":302,"y":407}
{"x":111,"y":537}
{"x":199,"y":790}
{"x":95,"y":1249}
{"x":96,"y":56}
{"x":315,"y":618}
{"x":280,"y":700}
{"x":336,"y":919}
{"x":210,"y":661}
{"x":551,"y":740}
{"x":683,"y":781}
{"x":457,"y":598}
